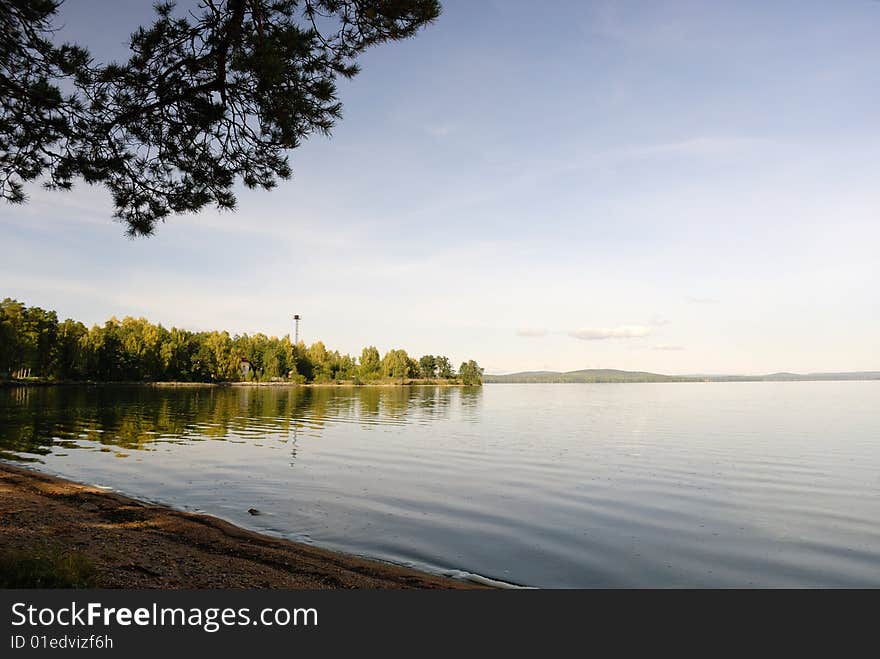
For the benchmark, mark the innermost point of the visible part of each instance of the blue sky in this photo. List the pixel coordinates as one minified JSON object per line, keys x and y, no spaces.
{"x":677,"y":187}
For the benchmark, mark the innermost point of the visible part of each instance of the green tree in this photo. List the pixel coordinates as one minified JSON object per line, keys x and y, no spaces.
{"x":303,"y":364}
{"x":273,"y":367}
{"x":208,"y":97}
{"x":428,"y":366}
{"x":470,"y":373}
{"x":105,"y":357}
{"x":8,"y":337}
{"x":344,"y":367}
{"x":28,"y":338}
{"x":14,"y":346}
{"x":287,"y":353}
{"x":370,"y":366}
{"x":178,"y":355}
{"x":141,"y":345}
{"x":396,"y":364}
{"x":216,"y":358}
{"x":444,"y":368}
{"x":320,"y":360}
{"x":68,"y":357}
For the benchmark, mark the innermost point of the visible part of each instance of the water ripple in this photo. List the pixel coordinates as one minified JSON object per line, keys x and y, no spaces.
{"x":740,"y":484}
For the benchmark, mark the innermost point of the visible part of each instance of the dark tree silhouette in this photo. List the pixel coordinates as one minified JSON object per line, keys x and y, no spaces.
{"x":207,"y":98}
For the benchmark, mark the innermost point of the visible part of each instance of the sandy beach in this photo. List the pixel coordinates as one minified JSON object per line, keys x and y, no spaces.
{"x":134,"y":544}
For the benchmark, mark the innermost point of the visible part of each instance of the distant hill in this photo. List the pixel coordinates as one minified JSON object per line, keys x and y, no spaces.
{"x":597,"y":375}
{"x":586,"y":375}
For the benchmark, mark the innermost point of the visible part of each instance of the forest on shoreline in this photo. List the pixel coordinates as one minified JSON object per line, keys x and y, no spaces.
{"x":34,"y":344}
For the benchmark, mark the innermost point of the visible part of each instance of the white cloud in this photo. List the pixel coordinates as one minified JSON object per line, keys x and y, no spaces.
{"x":600,"y":333}
{"x":441,"y":130}
{"x":666,"y":346}
{"x":702,"y":300}
{"x":531,"y":332}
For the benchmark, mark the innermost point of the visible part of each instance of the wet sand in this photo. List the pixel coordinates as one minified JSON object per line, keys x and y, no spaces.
{"x":134,"y":544}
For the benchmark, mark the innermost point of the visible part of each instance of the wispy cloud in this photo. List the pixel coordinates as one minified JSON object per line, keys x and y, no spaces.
{"x":697,"y":146}
{"x":441,"y":130}
{"x":666,"y":346}
{"x":702,"y":300}
{"x":531,"y":332}
{"x":601,"y":333}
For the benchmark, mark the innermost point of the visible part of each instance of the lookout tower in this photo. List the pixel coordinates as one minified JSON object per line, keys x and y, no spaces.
{"x":296,"y":329}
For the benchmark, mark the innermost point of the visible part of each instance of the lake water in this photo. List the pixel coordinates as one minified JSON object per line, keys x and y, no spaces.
{"x":604,"y":485}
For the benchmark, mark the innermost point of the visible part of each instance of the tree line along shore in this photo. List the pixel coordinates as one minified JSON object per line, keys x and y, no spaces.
{"x":35,"y":346}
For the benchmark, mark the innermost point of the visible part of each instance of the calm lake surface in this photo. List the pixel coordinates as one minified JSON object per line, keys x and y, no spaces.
{"x":604,"y":485}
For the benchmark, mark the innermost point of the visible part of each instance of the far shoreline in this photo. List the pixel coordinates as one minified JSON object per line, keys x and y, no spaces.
{"x":171,"y":384}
